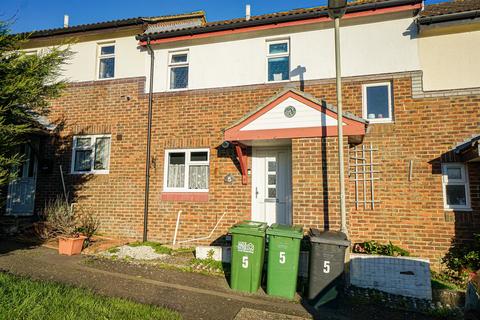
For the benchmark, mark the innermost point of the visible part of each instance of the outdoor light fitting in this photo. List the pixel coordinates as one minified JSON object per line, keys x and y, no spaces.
{"x":336,"y":8}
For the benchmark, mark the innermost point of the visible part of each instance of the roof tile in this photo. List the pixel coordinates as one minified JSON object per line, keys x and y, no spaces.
{"x":450,"y":7}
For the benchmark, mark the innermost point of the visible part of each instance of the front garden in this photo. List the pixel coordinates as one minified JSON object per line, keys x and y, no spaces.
{"x":22,"y":298}
{"x":156,"y":254}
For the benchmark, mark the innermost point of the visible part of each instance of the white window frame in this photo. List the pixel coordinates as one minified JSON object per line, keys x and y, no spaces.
{"x":188,"y":162}
{"x":277,"y":55}
{"x":92,"y":157}
{"x":365,"y":105}
{"x":172,"y":65}
{"x":101,"y":56}
{"x":461,"y":182}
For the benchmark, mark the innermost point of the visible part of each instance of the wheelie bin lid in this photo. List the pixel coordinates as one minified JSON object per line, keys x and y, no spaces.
{"x":329,"y":237}
{"x":287,"y":231}
{"x":252,"y":228}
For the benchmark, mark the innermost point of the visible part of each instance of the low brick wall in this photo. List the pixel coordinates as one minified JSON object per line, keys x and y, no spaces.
{"x":397,"y":275}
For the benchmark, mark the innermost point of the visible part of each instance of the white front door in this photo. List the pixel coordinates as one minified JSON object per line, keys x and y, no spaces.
{"x":21,"y":191}
{"x":272,"y":185}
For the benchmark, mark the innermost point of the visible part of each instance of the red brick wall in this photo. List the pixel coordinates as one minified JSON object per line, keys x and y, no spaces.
{"x":410,"y":212}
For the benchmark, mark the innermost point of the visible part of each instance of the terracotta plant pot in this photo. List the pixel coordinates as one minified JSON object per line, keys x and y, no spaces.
{"x":70,"y":246}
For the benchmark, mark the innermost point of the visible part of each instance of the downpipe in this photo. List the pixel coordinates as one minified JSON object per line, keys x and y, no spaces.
{"x":149,"y":143}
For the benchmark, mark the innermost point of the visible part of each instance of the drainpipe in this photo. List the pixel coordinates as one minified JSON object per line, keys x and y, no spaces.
{"x":149,"y":143}
{"x":341,"y":173}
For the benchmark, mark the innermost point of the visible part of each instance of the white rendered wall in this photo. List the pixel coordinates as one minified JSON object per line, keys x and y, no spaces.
{"x":83,"y":66}
{"x":450,"y":61}
{"x":367,"y":48}
{"x":305,"y":117}
{"x":397,"y":275}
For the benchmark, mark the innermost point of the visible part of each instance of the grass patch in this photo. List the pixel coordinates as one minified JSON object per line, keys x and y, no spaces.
{"x":446,"y":281}
{"x":207,"y":265}
{"x":183,"y":250}
{"x":439,"y":284}
{"x":22,"y":298}
{"x":114,"y":250}
{"x":158,"y":247}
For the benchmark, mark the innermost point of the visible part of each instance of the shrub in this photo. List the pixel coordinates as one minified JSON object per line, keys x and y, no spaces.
{"x":464,"y":256}
{"x":88,"y":226}
{"x":59,"y":218}
{"x":373,"y":247}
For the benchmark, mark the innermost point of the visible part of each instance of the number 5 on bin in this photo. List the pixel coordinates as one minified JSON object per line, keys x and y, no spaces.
{"x":245,"y":262}
{"x":326,"y":266}
{"x":282,"y":257}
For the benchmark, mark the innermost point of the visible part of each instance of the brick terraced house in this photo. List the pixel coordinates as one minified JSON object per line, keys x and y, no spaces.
{"x":244,"y":123}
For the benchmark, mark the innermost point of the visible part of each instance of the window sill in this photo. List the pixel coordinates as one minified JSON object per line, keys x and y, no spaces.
{"x":370,"y":121}
{"x":277,"y":81}
{"x":89,"y":173}
{"x":179,"y":89}
{"x":185,"y":196}
{"x":458,"y":209}
{"x":106,"y":79}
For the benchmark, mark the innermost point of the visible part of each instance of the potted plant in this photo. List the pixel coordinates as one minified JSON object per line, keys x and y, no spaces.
{"x":63,"y":223}
{"x":70,"y":245}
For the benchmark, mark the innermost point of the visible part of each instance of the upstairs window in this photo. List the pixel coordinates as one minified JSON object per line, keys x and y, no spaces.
{"x":178,"y":70}
{"x":106,"y":61}
{"x":278,"y":60}
{"x":91,"y":154}
{"x":456,"y":189}
{"x":186,"y":170}
{"x":377,"y":102}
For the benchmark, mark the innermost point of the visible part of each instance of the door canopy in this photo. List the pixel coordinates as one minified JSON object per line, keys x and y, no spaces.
{"x":293,"y":114}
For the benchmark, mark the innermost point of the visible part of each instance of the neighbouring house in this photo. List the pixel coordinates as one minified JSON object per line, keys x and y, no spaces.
{"x":244,"y":123}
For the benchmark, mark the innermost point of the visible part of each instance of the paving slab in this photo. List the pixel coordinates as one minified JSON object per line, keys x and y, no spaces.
{"x":252,"y":314}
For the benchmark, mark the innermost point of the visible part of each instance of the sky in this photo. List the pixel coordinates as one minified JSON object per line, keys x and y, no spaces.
{"x":29,"y":15}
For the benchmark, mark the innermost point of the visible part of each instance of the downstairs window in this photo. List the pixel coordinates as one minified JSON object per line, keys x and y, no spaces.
{"x":91,"y":154}
{"x":456,"y":189}
{"x":186,"y":170}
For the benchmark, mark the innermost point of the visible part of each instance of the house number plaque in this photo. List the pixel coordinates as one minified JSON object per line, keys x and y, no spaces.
{"x":290,"y":111}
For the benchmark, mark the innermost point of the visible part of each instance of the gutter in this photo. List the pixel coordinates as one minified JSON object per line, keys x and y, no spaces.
{"x":149,"y":143}
{"x":273,"y":20}
{"x":449,"y":17}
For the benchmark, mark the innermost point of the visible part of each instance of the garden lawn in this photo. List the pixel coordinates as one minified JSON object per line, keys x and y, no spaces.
{"x":22,"y":298}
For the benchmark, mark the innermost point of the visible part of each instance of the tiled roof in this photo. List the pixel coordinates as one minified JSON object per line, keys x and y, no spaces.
{"x":116,"y":24}
{"x":291,"y":15}
{"x":450,"y":7}
{"x":163,"y":26}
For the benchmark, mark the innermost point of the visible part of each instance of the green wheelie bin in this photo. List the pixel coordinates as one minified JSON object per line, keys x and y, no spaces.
{"x":248,"y":247}
{"x":283,"y":255}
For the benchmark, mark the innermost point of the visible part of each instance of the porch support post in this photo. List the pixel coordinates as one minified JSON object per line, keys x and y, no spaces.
{"x":241,"y":152}
{"x":341,"y":175}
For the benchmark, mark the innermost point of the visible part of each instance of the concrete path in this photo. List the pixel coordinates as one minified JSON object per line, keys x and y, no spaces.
{"x":195,"y":296}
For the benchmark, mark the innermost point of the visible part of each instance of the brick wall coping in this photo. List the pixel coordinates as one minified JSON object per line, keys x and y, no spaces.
{"x":373,"y":256}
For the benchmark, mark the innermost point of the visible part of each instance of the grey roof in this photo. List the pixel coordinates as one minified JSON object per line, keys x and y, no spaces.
{"x":465,"y":145}
{"x":305,"y":95}
{"x":276,"y":17}
{"x":115,"y":24}
{"x":44,"y":123}
{"x":167,"y":26}
{"x":447,"y":11}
